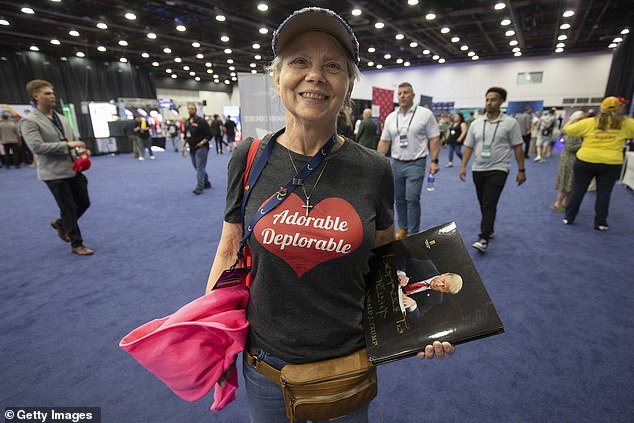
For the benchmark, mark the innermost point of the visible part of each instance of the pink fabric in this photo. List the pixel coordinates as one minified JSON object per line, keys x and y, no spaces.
{"x":190,"y":349}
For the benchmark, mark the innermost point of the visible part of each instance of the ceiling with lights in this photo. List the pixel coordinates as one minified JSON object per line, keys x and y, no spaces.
{"x":213,"y":40}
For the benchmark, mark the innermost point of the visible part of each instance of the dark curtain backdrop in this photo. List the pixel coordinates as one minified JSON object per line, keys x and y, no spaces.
{"x":621,"y":79}
{"x":75,"y":80}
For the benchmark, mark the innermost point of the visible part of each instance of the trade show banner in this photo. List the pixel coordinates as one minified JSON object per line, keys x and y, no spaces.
{"x":516,"y":107}
{"x":261,"y":109}
{"x":384,"y":99}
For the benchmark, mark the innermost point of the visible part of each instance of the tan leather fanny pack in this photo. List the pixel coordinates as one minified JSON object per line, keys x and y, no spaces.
{"x":322,"y":390}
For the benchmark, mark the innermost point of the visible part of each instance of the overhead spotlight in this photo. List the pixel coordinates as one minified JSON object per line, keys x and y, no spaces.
{"x":197,"y":78}
{"x":509,"y":33}
{"x":379,"y":25}
{"x":130,"y":16}
{"x":475,"y":57}
{"x":233,"y":78}
{"x":559,"y":50}
{"x":257,"y":57}
{"x":123,"y":43}
{"x":101,"y":48}
{"x":256,"y":46}
{"x":413,"y":44}
{"x":168,"y":70}
{"x":568,"y":13}
{"x":356,"y":12}
{"x":181,"y":28}
{"x":155,"y":64}
{"x":34,"y":48}
{"x":174,"y":76}
{"x":192,"y":73}
{"x":254,"y":71}
{"x":221,"y":18}
{"x":80,"y":54}
{"x":387,"y":56}
{"x":499,"y":6}
{"x":412,"y":2}
{"x":513,"y":42}
{"x":430,"y":16}
{"x":399,"y":61}
{"x":562,"y":37}
{"x":565,"y":26}
{"x":560,"y":45}
{"x":471,"y":54}
{"x":145,"y":55}
{"x":210,"y":71}
{"x":370,"y":64}
{"x":379,"y":66}
{"x":232,"y":74}
{"x":178,"y":59}
{"x":613,"y":45}
{"x":151,"y":35}
{"x":518,"y":53}
{"x":617,"y":40}
{"x":230,"y":61}
{"x":455,"y":39}
{"x":224,"y":39}
{"x":167,"y":50}
{"x":445,"y":30}
{"x":426,"y":51}
{"x":625,"y":31}
{"x":406,"y":64}
{"x":399,"y":36}
{"x":200,"y":56}
{"x":196,"y":44}
{"x":73,"y":33}
{"x":505,"y":22}
{"x":253,"y":65}
{"x":27,"y":10}
{"x":186,"y":68}
{"x":435,"y":57}
{"x":263,"y":7}
{"x":123,"y":60}
{"x":228,"y":51}
{"x":208,"y":64}
{"x":464,"y":48}
{"x":263,"y":30}
{"x":4,"y":22}
{"x":55,"y":42}
{"x":441,"y":60}
{"x":102,"y":25}
{"x":227,"y":82}
{"x":371,"y":50}
{"x":232,"y":68}
{"x":516,"y":49}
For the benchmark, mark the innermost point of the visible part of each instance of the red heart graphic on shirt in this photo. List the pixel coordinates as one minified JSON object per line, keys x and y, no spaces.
{"x":332,"y":229}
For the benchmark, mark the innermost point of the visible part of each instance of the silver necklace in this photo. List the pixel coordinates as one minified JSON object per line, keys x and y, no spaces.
{"x":307,"y":206}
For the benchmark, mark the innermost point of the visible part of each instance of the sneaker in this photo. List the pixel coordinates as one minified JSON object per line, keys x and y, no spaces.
{"x":601,"y":227}
{"x":492,"y":235}
{"x":536,"y":159}
{"x":152,"y":157}
{"x":141,"y":158}
{"x":61,"y":233}
{"x":450,"y":164}
{"x":401,"y":233}
{"x":197,"y":191}
{"x":481,"y":245}
{"x":207,"y":185}
{"x":567,"y":222}
{"x":82,"y":250}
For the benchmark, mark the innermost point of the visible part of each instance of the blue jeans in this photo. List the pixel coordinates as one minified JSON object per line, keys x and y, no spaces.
{"x":266,"y":403}
{"x":457,"y":148}
{"x":199,"y":161}
{"x":175,"y":140}
{"x":408,"y":183}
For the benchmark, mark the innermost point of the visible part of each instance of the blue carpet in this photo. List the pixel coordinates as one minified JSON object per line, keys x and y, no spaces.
{"x":561,"y":291}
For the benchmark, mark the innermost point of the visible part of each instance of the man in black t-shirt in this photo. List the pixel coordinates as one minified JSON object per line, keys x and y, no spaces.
{"x":230,"y":130}
{"x":216,"y":132}
{"x":197,"y":136}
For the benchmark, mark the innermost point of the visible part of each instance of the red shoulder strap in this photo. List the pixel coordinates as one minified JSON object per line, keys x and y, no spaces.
{"x":253,"y":150}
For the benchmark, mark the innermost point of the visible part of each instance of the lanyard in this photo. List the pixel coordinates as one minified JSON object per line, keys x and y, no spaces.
{"x":484,"y":126}
{"x":410,"y":121}
{"x":284,"y":191}
{"x":57,"y":123}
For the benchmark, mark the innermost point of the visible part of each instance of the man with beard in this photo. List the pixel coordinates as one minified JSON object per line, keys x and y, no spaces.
{"x":197,"y":135}
{"x":491,"y":138}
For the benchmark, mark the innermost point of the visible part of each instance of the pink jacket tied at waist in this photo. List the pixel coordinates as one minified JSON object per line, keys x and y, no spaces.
{"x":190,"y":349}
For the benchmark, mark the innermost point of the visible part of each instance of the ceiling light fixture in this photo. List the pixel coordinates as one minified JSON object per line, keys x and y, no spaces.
{"x":101,"y":48}
{"x":178,"y":59}
{"x":80,"y":54}
{"x":379,"y":25}
{"x":370,"y":64}
{"x":73,"y":33}
{"x":475,"y":57}
{"x":426,"y":51}
{"x":151,"y":35}
{"x":263,"y":30}
{"x":625,"y":31}
{"x":257,"y":57}
{"x":34,"y":48}
{"x":430,"y":16}
{"x":371,"y":49}
{"x":399,"y":61}
{"x":562,"y":37}
{"x":509,"y":33}
{"x":435,"y":57}
{"x":412,"y":2}
{"x":560,"y":45}
{"x":224,"y":39}
{"x":568,"y":13}
{"x":253,"y":65}
{"x":27,"y":10}
{"x":464,"y":47}
{"x":387,"y":56}
{"x":565,"y":26}
{"x":471,"y":54}
{"x":181,"y":28}
{"x":123,"y":60}
{"x":499,"y":6}
{"x":186,"y":68}
{"x":406,"y":64}
{"x":516,"y":49}
{"x":167,"y":50}
{"x":441,"y":60}
{"x":256,"y":46}
{"x":413,"y":44}
{"x":4,"y":22}
{"x":613,"y":45}
{"x":102,"y":25}
{"x":174,"y":76}
{"x":356,"y":12}
{"x":168,"y":70}
{"x":200,"y":56}
{"x":208,"y":64}
{"x":192,"y":73}
{"x":155,"y":64}
{"x":445,"y":30}
{"x":263,"y":7}
{"x":228,"y":51}
{"x":197,"y":78}
{"x":379,"y":66}
{"x":145,"y":55}
{"x":513,"y":42}
{"x":221,"y":18}
{"x":55,"y":42}
{"x":517,"y":54}
{"x":232,"y":68}
{"x":123,"y":43}
{"x":196,"y":44}
{"x":455,"y":39}
{"x":254,"y":71}
{"x":230,"y":61}
{"x":130,"y":16}
{"x":210,"y":71}
{"x":505,"y":22}
{"x":399,"y":36}
{"x":617,"y":40}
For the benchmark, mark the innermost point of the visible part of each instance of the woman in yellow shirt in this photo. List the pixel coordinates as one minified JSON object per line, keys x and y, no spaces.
{"x":600,"y":156}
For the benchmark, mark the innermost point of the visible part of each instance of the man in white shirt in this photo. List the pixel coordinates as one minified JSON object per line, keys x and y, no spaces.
{"x":409,"y":135}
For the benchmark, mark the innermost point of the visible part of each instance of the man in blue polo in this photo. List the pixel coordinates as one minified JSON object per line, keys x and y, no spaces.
{"x":409,"y":134}
{"x":491,"y":138}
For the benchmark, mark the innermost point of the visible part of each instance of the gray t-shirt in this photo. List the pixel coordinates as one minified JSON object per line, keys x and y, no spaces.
{"x":501,"y":135}
{"x":308,"y":292}
{"x":524,"y":120}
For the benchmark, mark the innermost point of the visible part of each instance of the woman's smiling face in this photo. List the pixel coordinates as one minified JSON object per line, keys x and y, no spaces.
{"x":313,"y":81}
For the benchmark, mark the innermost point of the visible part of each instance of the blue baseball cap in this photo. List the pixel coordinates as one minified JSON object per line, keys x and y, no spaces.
{"x":316,"y":19}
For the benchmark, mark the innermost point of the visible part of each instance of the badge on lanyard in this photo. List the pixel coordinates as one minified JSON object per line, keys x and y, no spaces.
{"x":486,"y":151}
{"x":402,"y":137}
{"x":486,"y":148}
{"x":188,"y":134}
